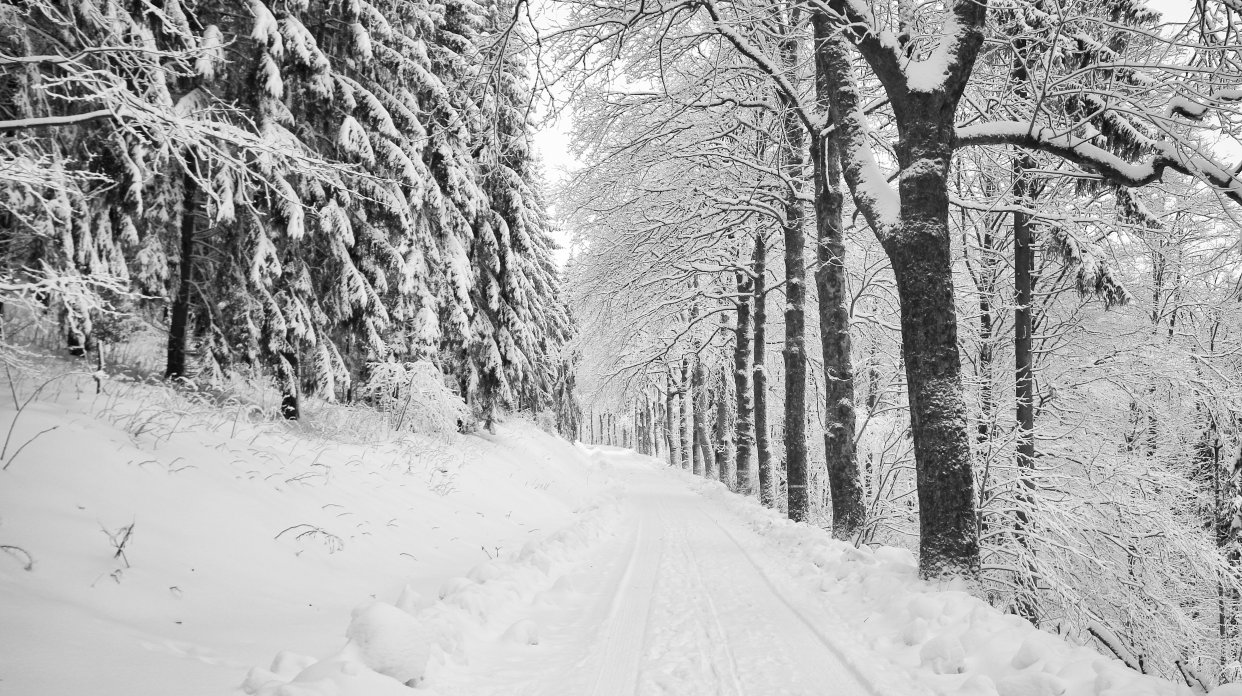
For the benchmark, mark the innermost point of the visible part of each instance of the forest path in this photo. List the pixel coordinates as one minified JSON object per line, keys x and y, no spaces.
{"x":673,"y":605}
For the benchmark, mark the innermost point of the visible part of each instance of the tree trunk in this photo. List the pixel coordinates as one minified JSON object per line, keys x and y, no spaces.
{"x":75,"y":343}
{"x":742,"y":348}
{"x":1024,"y":373}
{"x":763,"y":447}
{"x":723,"y":460}
{"x":290,"y":406}
{"x":844,"y":478}
{"x":636,"y":430}
{"x":687,"y":396}
{"x":653,"y":418}
{"x":794,"y":352}
{"x":984,"y":274}
{"x":703,"y":459}
{"x":179,"y":319}
{"x":923,"y":265}
{"x":670,"y":436}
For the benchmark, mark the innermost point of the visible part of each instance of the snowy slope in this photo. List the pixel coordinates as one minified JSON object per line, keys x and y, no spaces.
{"x":269,"y":561}
{"x":247,"y":539}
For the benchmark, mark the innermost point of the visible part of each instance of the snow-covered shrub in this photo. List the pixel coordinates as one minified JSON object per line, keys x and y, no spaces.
{"x":389,"y":641}
{"x":415,"y":397}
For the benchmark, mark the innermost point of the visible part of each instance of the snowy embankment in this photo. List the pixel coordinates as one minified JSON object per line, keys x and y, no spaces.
{"x":172,"y":545}
{"x":900,"y":631}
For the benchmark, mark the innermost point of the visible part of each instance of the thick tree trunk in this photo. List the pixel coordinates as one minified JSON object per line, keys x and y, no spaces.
{"x":844,"y":478}
{"x":742,"y":348}
{"x":687,"y":397}
{"x":763,"y":446}
{"x":794,"y":352}
{"x":179,"y":319}
{"x":923,"y":265}
{"x":914,"y":231}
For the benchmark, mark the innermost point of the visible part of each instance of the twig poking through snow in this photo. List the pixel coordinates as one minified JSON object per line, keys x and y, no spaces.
{"x":119,"y":539}
{"x":20,"y":554}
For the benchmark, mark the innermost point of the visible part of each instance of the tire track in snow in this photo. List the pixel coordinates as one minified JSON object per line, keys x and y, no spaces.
{"x":744,"y":588}
{"x":863,"y":684}
{"x":716,"y":650}
{"x":718,"y":626}
{"x":622,"y":647}
{"x":679,"y":607}
{"x":760,"y":643}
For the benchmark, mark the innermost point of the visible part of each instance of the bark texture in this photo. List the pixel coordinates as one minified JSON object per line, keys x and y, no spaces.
{"x":794,"y":352}
{"x":763,"y":446}
{"x":844,"y":477}
{"x":1024,"y":376}
{"x":670,"y":435}
{"x":742,"y":350}
{"x":704,"y":457}
{"x":687,"y":395}
{"x":723,"y":430}
{"x":179,"y":318}
{"x":923,"y":265}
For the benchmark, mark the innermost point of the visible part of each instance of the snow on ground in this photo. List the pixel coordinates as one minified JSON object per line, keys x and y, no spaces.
{"x":247,"y":539}
{"x":266,"y":561}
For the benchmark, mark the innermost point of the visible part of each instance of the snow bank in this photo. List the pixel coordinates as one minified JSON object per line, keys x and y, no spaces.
{"x":247,"y":537}
{"x":937,"y":636}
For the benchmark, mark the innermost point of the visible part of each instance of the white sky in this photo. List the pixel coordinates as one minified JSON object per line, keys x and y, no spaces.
{"x":1173,"y":10}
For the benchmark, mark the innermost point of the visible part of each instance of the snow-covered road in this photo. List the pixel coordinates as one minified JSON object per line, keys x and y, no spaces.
{"x":673,"y":604}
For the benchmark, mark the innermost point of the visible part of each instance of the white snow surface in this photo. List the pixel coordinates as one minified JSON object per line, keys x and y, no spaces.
{"x":209,"y":591}
{"x":542,"y":569}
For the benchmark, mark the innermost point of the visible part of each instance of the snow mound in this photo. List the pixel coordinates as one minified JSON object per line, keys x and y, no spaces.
{"x":524,"y":632}
{"x":337,"y":676}
{"x":390,"y":641}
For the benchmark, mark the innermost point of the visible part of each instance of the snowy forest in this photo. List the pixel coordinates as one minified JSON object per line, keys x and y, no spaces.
{"x":302,"y":190}
{"x":955,"y":282}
